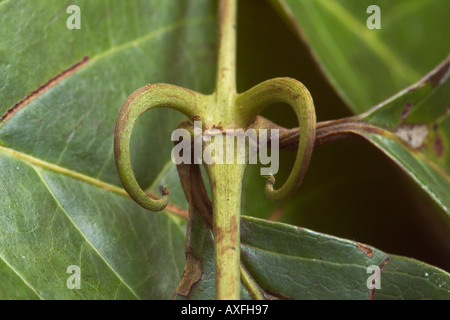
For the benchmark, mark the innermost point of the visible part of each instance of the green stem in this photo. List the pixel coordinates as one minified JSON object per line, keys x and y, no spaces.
{"x":226,"y":182}
{"x":226,"y":179}
{"x":226,"y":67}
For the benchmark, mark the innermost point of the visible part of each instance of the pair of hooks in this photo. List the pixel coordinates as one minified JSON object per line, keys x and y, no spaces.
{"x":247,"y":106}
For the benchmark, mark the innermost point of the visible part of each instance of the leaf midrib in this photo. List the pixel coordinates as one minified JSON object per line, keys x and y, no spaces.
{"x":79,"y":176}
{"x":37,"y":165}
{"x":112,"y":50}
{"x":58,"y":203}
{"x":20,"y":276}
{"x":133,"y":43}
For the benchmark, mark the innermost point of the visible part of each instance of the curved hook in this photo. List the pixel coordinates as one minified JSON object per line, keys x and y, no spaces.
{"x":294,"y":93}
{"x":143,"y":99}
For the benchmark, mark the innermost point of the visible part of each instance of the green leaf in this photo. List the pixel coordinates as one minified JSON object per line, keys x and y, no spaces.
{"x":368,"y":66}
{"x":351,"y":190}
{"x":60,"y":200}
{"x":60,"y":92}
{"x":72,"y":123}
{"x":413,"y":129}
{"x":289,"y":262}
{"x":51,"y":221}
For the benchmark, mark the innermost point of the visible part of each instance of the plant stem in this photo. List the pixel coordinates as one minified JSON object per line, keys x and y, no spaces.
{"x":226,"y":179}
{"x":226,"y":182}
{"x":226,"y":68}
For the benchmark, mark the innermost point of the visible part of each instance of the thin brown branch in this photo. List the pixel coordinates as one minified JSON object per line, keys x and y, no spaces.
{"x":193,"y":186}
